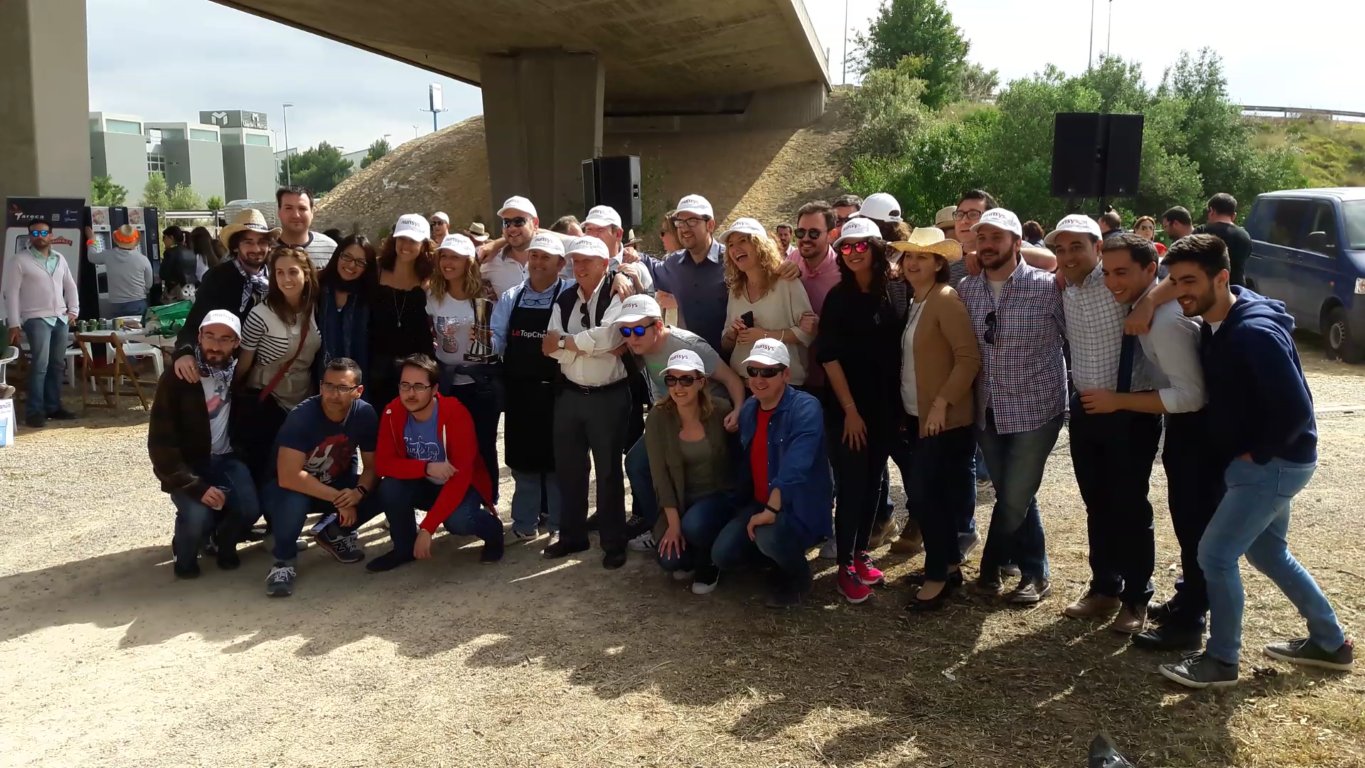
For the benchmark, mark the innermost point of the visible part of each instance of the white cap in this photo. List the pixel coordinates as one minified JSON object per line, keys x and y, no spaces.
{"x":518,"y":203}
{"x":547,"y":242}
{"x":880,"y":207}
{"x":1076,"y":222}
{"x":637,"y":308}
{"x":413,"y":227}
{"x":695,"y":204}
{"x":587,"y":246}
{"x":685,"y":360}
{"x":1002,"y":219}
{"x":769,"y":352}
{"x":459,"y":244}
{"x":441,"y":215}
{"x":745,"y":226}
{"x":603,"y":216}
{"x":858,"y":228}
{"x":222,"y":317}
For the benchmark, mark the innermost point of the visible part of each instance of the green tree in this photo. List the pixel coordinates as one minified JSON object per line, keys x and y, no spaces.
{"x":976,"y":83}
{"x":319,"y":168}
{"x":887,"y":110}
{"x":378,"y":149}
{"x":182,"y":197}
{"x":103,"y":191}
{"x":154,"y":193}
{"x":215,"y":203}
{"x":920,"y":28}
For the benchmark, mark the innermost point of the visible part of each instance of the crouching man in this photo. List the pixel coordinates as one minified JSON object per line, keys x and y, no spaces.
{"x":428,"y":458}
{"x":783,"y":435}
{"x":190,"y":446}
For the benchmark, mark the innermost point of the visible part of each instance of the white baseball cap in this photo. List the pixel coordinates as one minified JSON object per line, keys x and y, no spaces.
{"x":518,"y":203}
{"x":548,"y":243}
{"x":859,"y":228}
{"x":880,"y":207}
{"x":744,"y":226}
{"x":603,"y":216}
{"x":1002,"y":219}
{"x":459,"y":244}
{"x":637,"y":308}
{"x":685,"y":360}
{"x":1076,"y":222}
{"x":769,"y":352}
{"x":441,"y":215}
{"x":587,"y":246}
{"x":222,"y":317}
{"x":413,"y":227}
{"x":695,"y":204}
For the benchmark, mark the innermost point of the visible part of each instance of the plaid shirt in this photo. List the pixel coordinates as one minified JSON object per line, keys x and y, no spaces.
{"x":1023,"y":374}
{"x":1094,"y":327}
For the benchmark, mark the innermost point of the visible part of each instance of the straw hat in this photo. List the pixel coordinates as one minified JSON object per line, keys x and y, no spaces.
{"x":930,"y":240}
{"x":944,"y":217}
{"x":125,"y":237}
{"x":477,"y":233}
{"x":247,"y":219}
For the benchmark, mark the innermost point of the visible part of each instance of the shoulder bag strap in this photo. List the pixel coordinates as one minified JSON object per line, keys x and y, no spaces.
{"x":306,"y":319}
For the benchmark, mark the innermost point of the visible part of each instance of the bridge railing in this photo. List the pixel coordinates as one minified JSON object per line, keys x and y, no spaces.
{"x":1297,"y":112}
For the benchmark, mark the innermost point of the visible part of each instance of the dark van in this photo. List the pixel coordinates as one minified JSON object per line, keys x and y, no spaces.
{"x":1308,"y":250}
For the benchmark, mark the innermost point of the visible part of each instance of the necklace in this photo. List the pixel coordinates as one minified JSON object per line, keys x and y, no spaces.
{"x":402,"y":307}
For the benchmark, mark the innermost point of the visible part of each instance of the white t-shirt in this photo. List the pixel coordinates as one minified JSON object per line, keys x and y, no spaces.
{"x":1215,"y":326}
{"x":909,"y":391}
{"x":218,"y":399}
{"x":996,"y":287}
{"x":452,"y":319}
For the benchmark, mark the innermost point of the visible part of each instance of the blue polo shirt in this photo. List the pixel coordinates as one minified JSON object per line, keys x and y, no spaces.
{"x":699,"y":288}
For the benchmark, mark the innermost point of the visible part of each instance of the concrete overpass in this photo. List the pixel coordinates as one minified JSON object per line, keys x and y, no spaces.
{"x":555,"y":74}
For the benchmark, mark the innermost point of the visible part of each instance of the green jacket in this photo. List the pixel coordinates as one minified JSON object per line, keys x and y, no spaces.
{"x":666,"y":465}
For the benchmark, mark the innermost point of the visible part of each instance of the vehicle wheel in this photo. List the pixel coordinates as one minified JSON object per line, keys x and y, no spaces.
{"x":1341,"y":342}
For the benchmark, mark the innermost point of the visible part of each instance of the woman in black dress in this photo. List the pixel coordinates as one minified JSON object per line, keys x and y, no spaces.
{"x":399,"y":324}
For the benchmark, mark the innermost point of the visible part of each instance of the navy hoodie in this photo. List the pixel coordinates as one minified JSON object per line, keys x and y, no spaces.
{"x":1259,"y":402}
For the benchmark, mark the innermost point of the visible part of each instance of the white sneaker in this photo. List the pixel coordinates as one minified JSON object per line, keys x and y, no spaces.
{"x":554,"y":538}
{"x":642,"y":543}
{"x":683,"y":575}
{"x":827,"y":550}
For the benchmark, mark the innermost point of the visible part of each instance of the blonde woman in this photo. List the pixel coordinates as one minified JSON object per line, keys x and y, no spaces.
{"x":456,"y":286}
{"x":762,"y":304}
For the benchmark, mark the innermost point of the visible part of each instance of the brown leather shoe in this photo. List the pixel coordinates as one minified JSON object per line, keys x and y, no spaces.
{"x":884,"y":534}
{"x":911,"y":541}
{"x":1130,"y":621}
{"x":1094,"y":606}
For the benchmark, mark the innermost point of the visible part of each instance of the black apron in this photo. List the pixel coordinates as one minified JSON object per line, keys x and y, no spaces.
{"x":529,"y":381}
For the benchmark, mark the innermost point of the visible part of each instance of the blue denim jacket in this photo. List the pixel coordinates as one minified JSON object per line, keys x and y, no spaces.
{"x":797,"y":462}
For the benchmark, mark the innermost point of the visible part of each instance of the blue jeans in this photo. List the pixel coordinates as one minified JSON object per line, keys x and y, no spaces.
{"x":1253,"y":519}
{"x":402,"y":498}
{"x":701,"y":523}
{"x":642,"y":482}
{"x":1016,"y":463}
{"x":527,"y":494}
{"x":483,"y":399}
{"x":194,"y":522}
{"x":290,"y":509}
{"x":129,"y":308}
{"x":47,"y":358}
{"x":784,"y":543}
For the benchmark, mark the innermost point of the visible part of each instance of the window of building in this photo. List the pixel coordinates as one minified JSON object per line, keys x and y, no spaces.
{"x":199,"y":134}
{"x":156,"y":164}
{"x":173,"y":134}
{"x":257,"y":140}
{"x":122,"y":126}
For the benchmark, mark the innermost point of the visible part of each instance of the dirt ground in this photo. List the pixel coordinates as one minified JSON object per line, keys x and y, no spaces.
{"x":106,"y":659}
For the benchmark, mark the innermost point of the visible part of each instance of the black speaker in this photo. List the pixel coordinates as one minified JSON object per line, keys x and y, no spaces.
{"x":1096,"y":155}
{"x":614,"y":181}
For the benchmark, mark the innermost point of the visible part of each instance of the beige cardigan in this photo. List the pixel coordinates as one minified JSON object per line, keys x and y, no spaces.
{"x":947,"y":358}
{"x":779,"y":309}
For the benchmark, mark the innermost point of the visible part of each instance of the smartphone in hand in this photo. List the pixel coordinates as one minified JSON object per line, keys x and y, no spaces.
{"x":748,"y":319}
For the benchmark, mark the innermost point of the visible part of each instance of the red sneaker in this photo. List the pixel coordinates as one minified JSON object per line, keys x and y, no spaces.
{"x":867,"y":571}
{"x":853,"y":589}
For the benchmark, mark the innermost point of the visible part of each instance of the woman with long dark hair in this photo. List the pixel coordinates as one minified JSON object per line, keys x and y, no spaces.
{"x":858,"y":346}
{"x":207,"y":253}
{"x":343,"y":307}
{"x":399,"y":325}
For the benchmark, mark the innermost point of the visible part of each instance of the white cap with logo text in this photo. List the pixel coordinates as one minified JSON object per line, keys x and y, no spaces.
{"x":459,"y":244}
{"x":603,"y":216}
{"x":1001,"y":219}
{"x":413,"y":227}
{"x":685,"y":360}
{"x":518,"y":203}
{"x":858,"y":228}
{"x":637,"y":308}
{"x":769,"y":352}
{"x":1076,"y":222}
{"x":744,"y":226}
{"x":547,"y":242}
{"x":222,"y":317}
{"x":696,"y":205}
{"x":587,"y":246}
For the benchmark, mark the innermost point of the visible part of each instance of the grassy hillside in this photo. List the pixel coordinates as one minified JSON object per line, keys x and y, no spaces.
{"x":1331,"y":154}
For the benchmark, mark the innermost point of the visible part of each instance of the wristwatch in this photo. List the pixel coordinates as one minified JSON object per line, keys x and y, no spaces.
{"x":561,"y":342}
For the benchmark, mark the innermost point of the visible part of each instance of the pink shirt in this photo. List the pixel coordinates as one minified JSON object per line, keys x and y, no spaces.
{"x":817,"y":281}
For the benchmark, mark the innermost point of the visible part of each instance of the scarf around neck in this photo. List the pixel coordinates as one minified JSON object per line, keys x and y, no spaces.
{"x":222,"y":374}
{"x":254,"y":286}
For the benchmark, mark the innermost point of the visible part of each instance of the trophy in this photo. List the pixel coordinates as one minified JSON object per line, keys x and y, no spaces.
{"x":481,"y":345}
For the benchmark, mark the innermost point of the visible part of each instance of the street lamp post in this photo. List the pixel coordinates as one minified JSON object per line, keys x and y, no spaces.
{"x":1109,"y":38}
{"x":288,"y":178}
{"x":1090,"y":62}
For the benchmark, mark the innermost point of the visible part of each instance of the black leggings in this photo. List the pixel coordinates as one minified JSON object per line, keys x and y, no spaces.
{"x":858,"y":475}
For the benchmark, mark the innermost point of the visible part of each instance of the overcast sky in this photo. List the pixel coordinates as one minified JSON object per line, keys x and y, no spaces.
{"x":230,"y":60}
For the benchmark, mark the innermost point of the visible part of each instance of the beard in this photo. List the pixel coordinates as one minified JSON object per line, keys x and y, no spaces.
{"x":993,"y":259}
{"x":214,"y":358}
{"x":1202,"y":303}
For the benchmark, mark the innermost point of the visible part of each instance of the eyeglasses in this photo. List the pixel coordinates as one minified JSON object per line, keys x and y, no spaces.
{"x":989,"y":335}
{"x":841,"y":220}
{"x":674,"y":381}
{"x":812,"y":233}
{"x":765,"y":373}
{"x":353,"y":261}
{"x":692,"y":222}
{"x":519,"y":221}
{"x":848,"y":248}
{"x":39,"y":233}
{"x":635,"y":330}
{"x":409,"y":387}
{"x":337,"y":389}
{"x":968,"y":215}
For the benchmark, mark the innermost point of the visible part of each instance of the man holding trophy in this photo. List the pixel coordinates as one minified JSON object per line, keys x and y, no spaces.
{"x":461,"y":307}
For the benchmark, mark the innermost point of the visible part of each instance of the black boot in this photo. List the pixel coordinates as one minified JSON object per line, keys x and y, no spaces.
{"x":1171,"y":637}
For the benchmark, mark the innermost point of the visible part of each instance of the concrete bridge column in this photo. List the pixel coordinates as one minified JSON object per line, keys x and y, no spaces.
{"x":45,"y":99}
{"x":542,"y":118}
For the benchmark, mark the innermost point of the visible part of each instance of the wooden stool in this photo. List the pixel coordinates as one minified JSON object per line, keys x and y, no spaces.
{"x":114,"y":369}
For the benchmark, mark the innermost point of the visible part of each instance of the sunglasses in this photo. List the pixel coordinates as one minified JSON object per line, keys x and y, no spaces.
{"x":519,"y":221}
{"x":686,"y":381}
{"x":39,"y":233}
{"x":635,"y":330}
{"x":812,"y":233}
{"x":989,"y":335}
{"x":439,"y":223}
{"x":848,"y":248}
{"x":765,"y":373}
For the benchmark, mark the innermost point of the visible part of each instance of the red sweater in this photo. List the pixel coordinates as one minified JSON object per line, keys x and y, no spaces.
{"x":462,"y":451}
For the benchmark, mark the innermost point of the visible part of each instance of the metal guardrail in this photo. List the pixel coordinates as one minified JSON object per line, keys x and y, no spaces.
{"x":1288,"y":112}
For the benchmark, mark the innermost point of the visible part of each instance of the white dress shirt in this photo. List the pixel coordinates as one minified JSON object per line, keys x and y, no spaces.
{"x":503,"y":272}
{"x":594,"y":364}
{"x":1170,"y":360}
